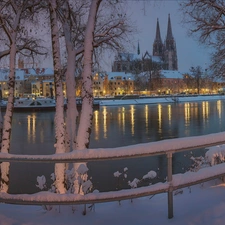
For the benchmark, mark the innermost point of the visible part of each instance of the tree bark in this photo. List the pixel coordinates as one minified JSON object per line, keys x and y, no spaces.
{"x":85,"y":124}
{"x":71,"y":112}
{"x":7,"y":124}
{"x":59,"y":114}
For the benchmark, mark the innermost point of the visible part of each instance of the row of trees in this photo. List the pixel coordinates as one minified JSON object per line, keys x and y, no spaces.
{"x":196,"y":78}
{"x":79,"y":32}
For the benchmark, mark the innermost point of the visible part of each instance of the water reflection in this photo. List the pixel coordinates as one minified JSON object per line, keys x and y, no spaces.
{"x":187,"y":115}
{"x":123,"y":120}
{"x":105,"y":122}
{"x":219,"y":110}
{"x":169,"y":114}
{"x":31,"y":128}
{"x":96,"y":124}
{"x":142,"y":123}
{"x":160,"y":119}
{"x":205,"y":111}
{"x":33,"y":133}
{"x":146,"y":117}
{"x":132,"y":119}
{"x":195,"y":109}
{"x":119,"y":117}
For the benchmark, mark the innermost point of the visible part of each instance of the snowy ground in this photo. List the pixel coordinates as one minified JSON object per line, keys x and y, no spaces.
{"x":200,"y":204}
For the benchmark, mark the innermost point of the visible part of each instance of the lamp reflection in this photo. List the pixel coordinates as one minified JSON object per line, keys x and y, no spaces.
{"x":169,"y":114}
{"x":146,"y":117}
{"x":96,"y":113}
{"x":205,"y":110}
{"x":132,"y":119}
{"x":219,"y":109}
{"x":160,"y":118}
{"x":105,"y":122}
{"x":187,"y":113}
{"x":119,"y":117}
{"x":195,"y":106}
{"x":31,"y":128}
{"x":123,"y":120}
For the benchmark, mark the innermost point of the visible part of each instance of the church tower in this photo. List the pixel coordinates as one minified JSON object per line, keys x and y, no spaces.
{"x":157,"y":45}
{"x":170,"y":50}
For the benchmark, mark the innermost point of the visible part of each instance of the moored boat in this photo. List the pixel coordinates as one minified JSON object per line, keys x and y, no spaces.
{"x":31,"y":104}
{"x":34,"y":104}
{"x":39,"y":104}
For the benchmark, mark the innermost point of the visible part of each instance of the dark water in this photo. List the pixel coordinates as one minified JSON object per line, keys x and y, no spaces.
{"x":113,"y":126}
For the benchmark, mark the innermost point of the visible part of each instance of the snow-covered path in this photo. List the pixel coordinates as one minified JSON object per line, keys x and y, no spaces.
{"x":200,"y":204}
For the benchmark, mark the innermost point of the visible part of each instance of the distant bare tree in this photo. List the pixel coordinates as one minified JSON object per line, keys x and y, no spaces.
{"x":197,"y":77}
{"x":156,"y":80}
{"x":207,"y":20}
{"x":189,"y":81}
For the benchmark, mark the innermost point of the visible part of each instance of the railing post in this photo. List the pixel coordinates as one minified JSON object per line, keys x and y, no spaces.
{"x":169,"y":180}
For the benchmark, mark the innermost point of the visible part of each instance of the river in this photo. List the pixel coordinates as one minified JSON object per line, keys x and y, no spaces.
{"x":114,"y":126}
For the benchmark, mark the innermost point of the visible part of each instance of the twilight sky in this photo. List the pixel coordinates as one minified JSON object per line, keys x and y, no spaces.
{"x":189,"y":52}
{"x":145,"y":14}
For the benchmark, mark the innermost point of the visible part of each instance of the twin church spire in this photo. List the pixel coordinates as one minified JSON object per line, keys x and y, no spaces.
{"x":167,"y":50}
{"x":169,"y":35}
{"x":158,"y":45}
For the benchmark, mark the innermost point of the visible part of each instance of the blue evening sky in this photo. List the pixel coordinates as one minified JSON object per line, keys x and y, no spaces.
{"x":145,"y":13}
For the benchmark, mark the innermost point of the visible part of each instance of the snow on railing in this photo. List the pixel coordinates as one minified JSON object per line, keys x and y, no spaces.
{"x":132,"y":151}
{"x":167,"y":147}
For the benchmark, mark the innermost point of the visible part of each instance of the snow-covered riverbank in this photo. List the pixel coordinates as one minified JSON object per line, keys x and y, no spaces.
{"x":165,"y":99}
{"x":197,"y":205}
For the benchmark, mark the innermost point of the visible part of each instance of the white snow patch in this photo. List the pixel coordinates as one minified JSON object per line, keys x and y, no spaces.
{"x":150,"y":175}
{"x":134,"y":183}
{"x":41,"y":180}
{"x":117,"y":174}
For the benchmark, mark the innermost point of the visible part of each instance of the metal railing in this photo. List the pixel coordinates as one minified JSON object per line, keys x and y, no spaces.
{"x":168,"y":147}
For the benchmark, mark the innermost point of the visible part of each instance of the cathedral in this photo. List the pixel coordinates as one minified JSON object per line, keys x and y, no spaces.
{"x":163,"y":54}
{"x":167,"y":51}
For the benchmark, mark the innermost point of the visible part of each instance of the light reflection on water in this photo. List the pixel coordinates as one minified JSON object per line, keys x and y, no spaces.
{"x":113,"y":126}
{"x":219,"y":110}
{"x":31,"y":123}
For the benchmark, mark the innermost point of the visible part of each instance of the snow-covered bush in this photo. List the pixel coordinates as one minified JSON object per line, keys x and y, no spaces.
{"x":198,"y":163}
{"x":120,"y":176}
{"x":85,"y":184}
{"x":117,"y":174}
{"x":215,"y":154}
{"x":134,"y":184}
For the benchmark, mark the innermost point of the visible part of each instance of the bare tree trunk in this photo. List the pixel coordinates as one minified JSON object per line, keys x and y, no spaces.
{"x":71,"y":113}
{"x":85,"y":125}
{"x":71,"y":116}
{"x":59,"y":115}
{"x":7,"y":125}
